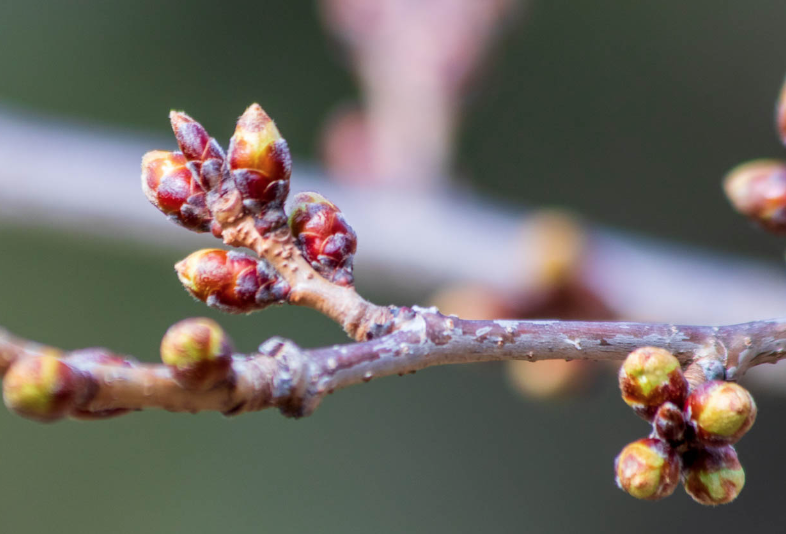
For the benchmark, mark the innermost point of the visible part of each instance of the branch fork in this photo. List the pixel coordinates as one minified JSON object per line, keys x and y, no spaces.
{"x":305,"y":259}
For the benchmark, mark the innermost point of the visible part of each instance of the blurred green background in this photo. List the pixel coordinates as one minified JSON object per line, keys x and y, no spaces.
{"x":629,"y":114}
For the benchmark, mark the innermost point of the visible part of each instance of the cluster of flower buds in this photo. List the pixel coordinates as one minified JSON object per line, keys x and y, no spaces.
{"x":324,"y":237}
{"x":200,"y":187}
{"x":50,"y":387}
{"x":231,"y":281}
{"x":198,"y":352}
{"x":693,"y":432}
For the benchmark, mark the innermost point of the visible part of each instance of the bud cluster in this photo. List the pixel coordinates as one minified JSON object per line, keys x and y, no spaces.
{"x":693,"y":432}
{"x":231,"y":281}
{"x":324,"y":236}
{"x":201,"y":184}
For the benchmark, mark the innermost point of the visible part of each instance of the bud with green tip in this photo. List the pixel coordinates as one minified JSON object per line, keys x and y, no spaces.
{"x":713,"y":476}
{"x":44,"y":388}
{"x":231,"y":281}
{"x":259,"y":162}
{"x":198,"y":352}
{"x":324,"y":236}
{"x":720,"y":413}
{"x":647,"y":469}
{"x":650,"y":376}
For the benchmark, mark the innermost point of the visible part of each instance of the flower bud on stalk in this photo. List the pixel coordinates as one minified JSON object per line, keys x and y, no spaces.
{"x":260,"y":164}
{"x":650,"y":376}
{"x":231,"y":281}
{"x":757,"y":189}
{"x":170,"y":186}
{"x":324,"y":237}
{"x":713,"y":476}
{"x":647,"y":469}
{"x":198,"y":352}
{"x":720,"y":413}
{"x":44,"y":388}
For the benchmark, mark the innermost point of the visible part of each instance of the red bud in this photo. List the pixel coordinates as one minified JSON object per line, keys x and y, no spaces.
{"x":324,"y":236}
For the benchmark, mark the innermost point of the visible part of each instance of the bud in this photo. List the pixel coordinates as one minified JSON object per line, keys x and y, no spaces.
{"x":720,"y":413}
{"x":713,"y":475}
{"x":259,"y":161}
{"x":203,"y":153}
{"x":170,"y":186}
{"x":780,"y":114}
{"x":198,"y":352}
{"x":324,"y":237}
{"x":647,"y":469}
{"x":669,"y":423}
{"x":44,"y":388}
{"x":231,"y":281}
{"x":650,"y":376}
{"x":757,"y":189}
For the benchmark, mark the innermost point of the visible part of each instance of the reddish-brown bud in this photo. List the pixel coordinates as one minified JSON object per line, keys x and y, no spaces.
{"x":169,"y":185}
{"x":713,"y":476}
{"x":43,"y":388}
{"x":259,"y":161}
{"x":204,"y":154}
{"x":669,"y":423}
{"x":231,"y":281}
{"x":757,"y":189}
{"x":720,"y":413}
{"x":198,"y":352}
{"x":650,"y":376}
{"x":324,"y":237}
{"x":647,"y":469}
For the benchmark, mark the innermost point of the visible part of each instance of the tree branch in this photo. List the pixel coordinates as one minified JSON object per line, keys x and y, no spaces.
{"x":295,"y":380}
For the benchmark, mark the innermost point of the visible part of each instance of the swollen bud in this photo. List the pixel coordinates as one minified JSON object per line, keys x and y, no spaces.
{"x":198,"y":352}
{"x":169,"y":184}
{"x":720,"y":413}
{"x":650,"y":376}
{"x":647,"y":469}
{"x":259,"y":161}
{"x":324,"y":237}
{"x":713,"y":475}
{"x":43,"y":388}
{"x":231,"y":281}
{"x":757,"y":189}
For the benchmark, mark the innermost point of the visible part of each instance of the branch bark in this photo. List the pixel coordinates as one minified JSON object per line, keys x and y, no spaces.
{"x":295,"y":380}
